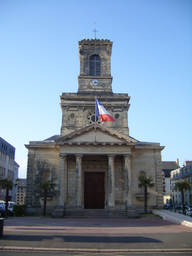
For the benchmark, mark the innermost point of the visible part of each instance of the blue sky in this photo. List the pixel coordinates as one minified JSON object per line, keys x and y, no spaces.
{"x":151,"y":61}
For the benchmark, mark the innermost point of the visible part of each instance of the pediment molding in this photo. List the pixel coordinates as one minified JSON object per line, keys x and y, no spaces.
{"x":83,"y":137}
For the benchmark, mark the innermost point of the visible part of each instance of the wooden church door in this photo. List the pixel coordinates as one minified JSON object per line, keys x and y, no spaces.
{"x":94,"y":195}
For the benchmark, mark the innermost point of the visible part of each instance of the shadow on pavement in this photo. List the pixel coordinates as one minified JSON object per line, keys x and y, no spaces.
{"x":81,"y":239}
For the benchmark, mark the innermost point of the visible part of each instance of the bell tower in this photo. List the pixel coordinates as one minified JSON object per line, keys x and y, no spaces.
{"x":95,"y":66}
{"x":94,"y":81}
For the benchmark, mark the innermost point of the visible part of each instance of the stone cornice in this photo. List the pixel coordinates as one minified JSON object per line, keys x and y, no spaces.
{"x":39,"y":144}
{"x":97,"y":41}
{"x":91,"y":98}
{"x":149,"y":146}
{"x":70,"y":143}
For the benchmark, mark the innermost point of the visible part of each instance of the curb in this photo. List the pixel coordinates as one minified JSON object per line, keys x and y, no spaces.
{"x":173,"y":218}
{"x":14,"y":248}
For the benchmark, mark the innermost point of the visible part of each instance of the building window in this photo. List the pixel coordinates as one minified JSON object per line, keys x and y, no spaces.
{"x":91,"y":118}
{"x":95,"y":65}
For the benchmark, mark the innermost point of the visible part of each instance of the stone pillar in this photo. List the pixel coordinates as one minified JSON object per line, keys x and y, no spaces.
{"x":64,"y":120}
{"x":111,"y":182}
{"x":30,"y":182}
{"x":78,"y":182}
{"x":158,"y":178}
{"x":62,"y":180}
{"x":59,"y":211}
{"x":128,"y":196}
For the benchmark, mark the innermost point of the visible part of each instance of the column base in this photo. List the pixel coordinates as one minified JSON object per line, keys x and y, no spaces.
{"x":80,"y":207}
{"x":110,"y":207}
{"x":58,"y":212}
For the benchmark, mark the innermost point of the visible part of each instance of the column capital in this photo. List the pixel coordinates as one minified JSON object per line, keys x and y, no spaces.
{"x":79,"y":155}
{"x":62,"y":155}
{"x":111,"y":155}
{"x":127,"y":156}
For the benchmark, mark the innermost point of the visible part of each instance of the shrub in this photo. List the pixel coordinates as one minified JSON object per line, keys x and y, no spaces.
{"x":18,"y":210}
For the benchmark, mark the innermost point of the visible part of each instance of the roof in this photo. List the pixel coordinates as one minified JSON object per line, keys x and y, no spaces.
{"x":168,"y":166}
{"x":54,"y":137}
{"x":21,"y":183}
{"x":16,"y":164}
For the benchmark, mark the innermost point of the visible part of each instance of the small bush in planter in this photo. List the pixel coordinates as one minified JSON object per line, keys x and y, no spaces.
{"x":18,"y":210}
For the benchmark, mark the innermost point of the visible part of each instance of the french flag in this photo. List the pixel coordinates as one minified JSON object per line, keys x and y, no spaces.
{"x":102,"y":113}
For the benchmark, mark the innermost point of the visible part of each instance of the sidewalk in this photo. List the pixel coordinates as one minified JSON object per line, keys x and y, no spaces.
{"x":96,"y":235}
{"x":174,"y":217}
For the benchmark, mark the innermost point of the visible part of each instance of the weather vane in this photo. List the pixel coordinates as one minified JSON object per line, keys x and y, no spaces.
{"x":95,"y":31}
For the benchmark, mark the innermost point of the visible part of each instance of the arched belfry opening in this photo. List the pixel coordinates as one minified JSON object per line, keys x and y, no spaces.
{"x":95,"y":65}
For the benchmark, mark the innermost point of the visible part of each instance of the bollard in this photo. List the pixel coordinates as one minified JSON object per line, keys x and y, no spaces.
{"x":1,"y":226}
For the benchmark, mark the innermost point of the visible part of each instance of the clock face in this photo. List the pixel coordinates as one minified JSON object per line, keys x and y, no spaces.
{"x":95,"y":82}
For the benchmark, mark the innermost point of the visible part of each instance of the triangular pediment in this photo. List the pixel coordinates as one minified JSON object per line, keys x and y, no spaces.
{"x":95,"y":134}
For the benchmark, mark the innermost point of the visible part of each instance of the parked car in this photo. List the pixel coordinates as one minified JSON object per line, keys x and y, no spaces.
{"x":167,"y":206}
{"x":9,"y":211}
{"x":189,"y":212}
{"x":2,"y":202}
{"x":2,"y":211}
{"x":178,"y":207}
{"x":10,"y":204}
{"x":181,"y":210}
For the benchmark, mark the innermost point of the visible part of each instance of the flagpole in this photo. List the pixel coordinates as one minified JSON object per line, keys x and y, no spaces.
{"x":95,"y":118}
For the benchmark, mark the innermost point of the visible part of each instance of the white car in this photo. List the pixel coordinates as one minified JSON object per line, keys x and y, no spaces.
{"x":189,"y":212}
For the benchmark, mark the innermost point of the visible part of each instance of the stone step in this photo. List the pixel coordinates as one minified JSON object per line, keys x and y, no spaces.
{"x":96,"y":214}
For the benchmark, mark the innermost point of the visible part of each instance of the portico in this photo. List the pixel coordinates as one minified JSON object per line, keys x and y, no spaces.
{"x":103,"y":158}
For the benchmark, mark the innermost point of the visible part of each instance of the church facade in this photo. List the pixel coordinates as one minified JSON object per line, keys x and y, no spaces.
{"x":93,"y":164}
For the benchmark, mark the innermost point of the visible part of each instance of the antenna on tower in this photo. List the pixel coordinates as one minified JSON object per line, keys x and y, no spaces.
{"x":95,"y":31}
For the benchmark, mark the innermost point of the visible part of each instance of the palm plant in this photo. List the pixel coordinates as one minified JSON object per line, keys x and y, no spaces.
{"x":181,"y":186}
{"x":46,"y":186}
{"x":6,"y":183}
{"x":145,"y":182}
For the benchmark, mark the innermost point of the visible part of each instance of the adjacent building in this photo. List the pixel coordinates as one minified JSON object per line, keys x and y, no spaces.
{"x":167,"y":167}
{"x":181,"y":174}
{"x":93,"y":164}
{"x":8,"y":168}
{"x":21,"y":191}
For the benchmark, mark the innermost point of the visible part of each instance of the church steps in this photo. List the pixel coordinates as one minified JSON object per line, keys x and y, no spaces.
{"x":96,"y":214}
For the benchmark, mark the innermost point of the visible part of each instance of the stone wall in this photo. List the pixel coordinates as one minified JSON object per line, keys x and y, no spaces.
{"x":148,"y":161}
{"x":40,"y":160}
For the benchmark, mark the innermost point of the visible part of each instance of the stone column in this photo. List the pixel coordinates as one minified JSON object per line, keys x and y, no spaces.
{"x":78,"y":182}
{"x":128,"y":196}
{"x":59,"y":211}
{"x":111,"y":182}
{"x":63,"y":180}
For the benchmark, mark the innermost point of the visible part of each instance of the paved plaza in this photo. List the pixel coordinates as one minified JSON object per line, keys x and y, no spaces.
{"x":95,"y":235}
